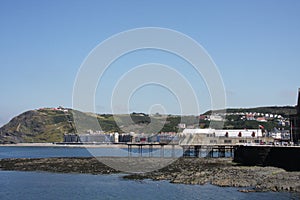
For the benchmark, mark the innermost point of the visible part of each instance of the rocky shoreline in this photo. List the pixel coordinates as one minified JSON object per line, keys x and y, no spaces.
{"x":83,"y":165}
{"x":218,"y":171}
{"x":224,"y":173}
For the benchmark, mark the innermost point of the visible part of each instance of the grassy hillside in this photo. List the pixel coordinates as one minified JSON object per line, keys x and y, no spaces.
{"x":234,"y":121}
{"x":49,"y":125}
{"x":279,"y":110}
{"x":36,"y":126}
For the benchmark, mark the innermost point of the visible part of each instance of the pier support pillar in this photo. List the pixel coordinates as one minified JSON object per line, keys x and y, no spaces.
{"x":221,"y":151}
{"x":173,"y":150}
{"x":162,"y":151}
{"x":150,"y":150}
{"x":197,"y":151}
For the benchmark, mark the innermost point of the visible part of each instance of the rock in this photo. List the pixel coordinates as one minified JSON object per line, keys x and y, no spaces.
{"x":221,"y":172}
{"x":247,"y":190}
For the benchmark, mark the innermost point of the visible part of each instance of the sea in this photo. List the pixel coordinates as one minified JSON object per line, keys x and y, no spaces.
{"x":44,"y":185}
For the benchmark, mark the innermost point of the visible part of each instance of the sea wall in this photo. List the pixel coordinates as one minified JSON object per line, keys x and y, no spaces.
{"x":287,"y":158}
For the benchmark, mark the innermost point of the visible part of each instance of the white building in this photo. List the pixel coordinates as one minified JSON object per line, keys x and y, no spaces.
{"x":116,"y":137}
{"x":181,"y":125}
{"x":216,"y":118}
{"x":231,"y":133}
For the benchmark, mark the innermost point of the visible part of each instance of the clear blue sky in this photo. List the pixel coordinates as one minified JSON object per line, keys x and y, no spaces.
{"x":255,"y":44}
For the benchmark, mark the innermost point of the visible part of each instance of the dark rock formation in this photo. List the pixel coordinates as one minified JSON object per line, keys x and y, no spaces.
{"x":222,"y":172}
{"x":61,"y":165}
{"x":225,"y":173}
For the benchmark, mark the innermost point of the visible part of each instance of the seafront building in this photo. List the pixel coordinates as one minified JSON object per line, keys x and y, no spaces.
{"x":229,"y":133}
{"x":187,"y":136}
{"x":121,"y":138}
{"x":222,"y":136}
{"x":201,"y":136}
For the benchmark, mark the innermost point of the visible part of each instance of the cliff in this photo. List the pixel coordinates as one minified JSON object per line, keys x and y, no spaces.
{"x":45,"y":125}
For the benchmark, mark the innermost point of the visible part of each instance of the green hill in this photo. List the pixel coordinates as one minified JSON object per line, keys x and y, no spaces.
{"x":234,"y":117}
{"x":279,"y":110}
{"x":49,"y":125}
{"x":36,"y":126}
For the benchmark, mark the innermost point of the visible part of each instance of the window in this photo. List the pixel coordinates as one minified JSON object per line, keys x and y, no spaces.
{"x":227,"y":141}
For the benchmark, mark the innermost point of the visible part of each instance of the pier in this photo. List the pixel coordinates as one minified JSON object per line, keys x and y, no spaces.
{"x":150,"y":147}
{"x":209,"y":150}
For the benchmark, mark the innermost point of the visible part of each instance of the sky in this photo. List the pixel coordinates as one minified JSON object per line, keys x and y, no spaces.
{"x":254,"y":44}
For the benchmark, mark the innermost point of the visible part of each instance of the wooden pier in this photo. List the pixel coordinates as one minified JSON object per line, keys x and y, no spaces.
{"x":209,"y":150}
{"x":150,"y":147}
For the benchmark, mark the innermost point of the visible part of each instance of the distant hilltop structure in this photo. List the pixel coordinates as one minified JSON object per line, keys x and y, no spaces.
{"x":295,"y":123}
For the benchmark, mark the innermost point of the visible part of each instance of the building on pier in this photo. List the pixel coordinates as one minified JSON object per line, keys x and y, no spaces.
{"x":230,"y":133}
{"x":223,"y":136}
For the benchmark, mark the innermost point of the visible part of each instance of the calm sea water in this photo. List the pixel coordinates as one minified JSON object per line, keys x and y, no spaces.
{"x":37,"y":185}
{"x":42,"y":185}
{"x":44,"y":152}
